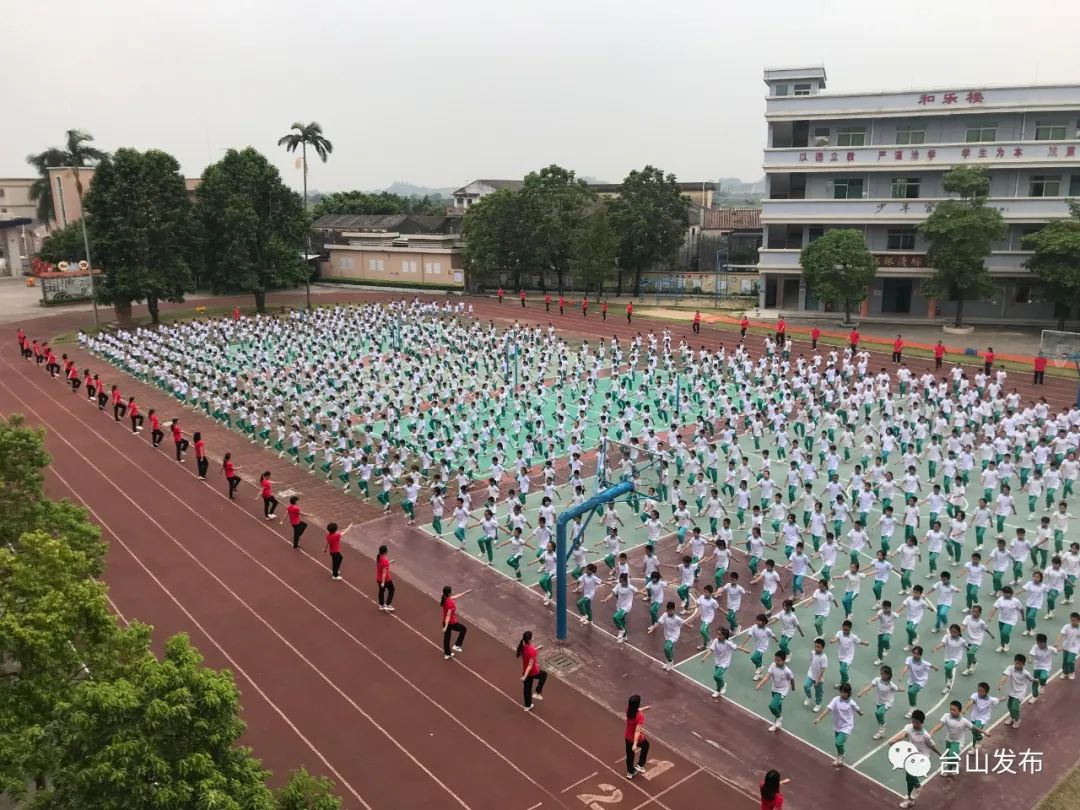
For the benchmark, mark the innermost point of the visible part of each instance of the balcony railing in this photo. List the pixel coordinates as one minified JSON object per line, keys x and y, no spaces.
{"x":886,"y":157}
{"x":889,"y":211}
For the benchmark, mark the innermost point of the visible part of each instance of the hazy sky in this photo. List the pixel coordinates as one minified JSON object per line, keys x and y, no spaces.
{"x":440,"y":93}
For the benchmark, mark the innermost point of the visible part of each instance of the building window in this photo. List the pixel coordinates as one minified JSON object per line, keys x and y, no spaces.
{"x":821,"y":136}
{"x":1074,"y":185}
{"x":1023,"y":294}
{"x":1049,"y":132}
{"x":905,"y":188}
{"x":848,"y":188}
{"x":802,"y":89}
{"x":2,"y":192}
{"x":1045,"y":185}
{"x":900,"y":239}
{"x":815,"y":232}
{"x":60,"y":196}
{"x":436,"y":268}
{"x":780,"y":90}
{"x":850,"y":136}
{"x":981,"y":134}
{"x":908,"y":135}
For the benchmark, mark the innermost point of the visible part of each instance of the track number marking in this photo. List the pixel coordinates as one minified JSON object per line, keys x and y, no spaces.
{"x":597,"y":801}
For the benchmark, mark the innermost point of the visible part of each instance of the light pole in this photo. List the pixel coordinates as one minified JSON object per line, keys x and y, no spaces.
{"x":89,"y":267}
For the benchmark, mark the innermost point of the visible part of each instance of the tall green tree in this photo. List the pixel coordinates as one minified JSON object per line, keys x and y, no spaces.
{"x":63,"y":245}
{"x":649,"y":217}
{"x":961,"y":233}
{"x":162,"y":735}
{"x":56,"y":631}
{"x":381,"y":202}
{"x":141,"y":220}
{"x":596,"y":252}
{"x":1056,"y":263}
{"x":76,"y":153}
{"x":302,"y":136}
{"x":253,"y":227}
{"x":554,"y":204}
{"x":498,"y":240}
{"x":838,"y":267}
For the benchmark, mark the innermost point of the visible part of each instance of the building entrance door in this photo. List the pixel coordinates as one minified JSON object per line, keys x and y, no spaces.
{"x":789,"y":298}
{"x":896,"y":295}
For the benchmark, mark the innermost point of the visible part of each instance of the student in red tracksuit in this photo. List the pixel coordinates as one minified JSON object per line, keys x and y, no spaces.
{"x":500,"y":294}
{"x":815,"y":335}
{"x":585,"y":307}
{"x":333,"y":548}
{"x":266,"y":492}
{"x":547,"y":302}
{"x":988,"y":359}
{"x":697,"y":322}
{"x":119,"y":407}
{"x":179,"y":440}
{"x":853,"y":339}
{"x":636,"y":742}
{"x":744,"y":324}
{"x":1038,"y":364}
{"x":156,"y":433}
{"x":562,"y":304}
{"x":228,"y":469}
{"x":629,"y":311}
{"x":781,"y":331}
{"x":939,"y":354}
{"x":73,"y":377}
{"x":522,"y":296}
{"x":603,"y":310}
{"x":298,"y":526}
{"x":136,"y":418}
{"x":531,"y":674}
{"x":450,"y":623}
{"x":202,"y":463}
{"x":898,"y":349}
{"x":384,"y":580}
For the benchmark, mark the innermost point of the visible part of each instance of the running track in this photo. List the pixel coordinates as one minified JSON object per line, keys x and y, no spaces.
{"x":327,"y":681}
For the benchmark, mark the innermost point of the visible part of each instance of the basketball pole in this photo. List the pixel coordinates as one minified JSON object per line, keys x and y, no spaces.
{"x":562,"y":552}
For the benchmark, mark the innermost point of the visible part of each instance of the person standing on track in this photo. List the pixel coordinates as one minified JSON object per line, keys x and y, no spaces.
{"x":1038,"y":365}
{"x":333,"y":548}
{"x":228,"y":469}
{"x":637,"y":745}
{"x":178,"y":439}
{"x":603,"y":310}
{"x":135,"y":416}
{"x":298,"y":526}
{"x":562,"y":304}
{"x":521,"y":295}
{"x":500,"y":294}
{"x":266,"y":492}
{"x":384,"y":580}
{"x":697,"y":322}
{"x":547,"y":302}
{"x":771,"y":797}
{"x":531,"y":674}
{"x":202,"y":463}
{"x":73,"y":378}
{"x":629,"y":311}
{"x":781,"y":331}
{"x":988,"y":359}
{"x":450,"y":623}
{"x":744,"y":324}
{"x":898,"y":349}
{"x":939,"y":354}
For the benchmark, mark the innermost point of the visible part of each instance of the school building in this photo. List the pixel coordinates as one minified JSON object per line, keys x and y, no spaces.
{"x":874,"y":161}
{"x":390,"y":249}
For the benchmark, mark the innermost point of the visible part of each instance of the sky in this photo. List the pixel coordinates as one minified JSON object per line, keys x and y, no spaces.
{"x":441,"y":93}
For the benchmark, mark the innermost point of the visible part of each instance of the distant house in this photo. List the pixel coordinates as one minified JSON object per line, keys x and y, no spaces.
{"x":467,"y":195}
{"x":729,"y":238}
{"x":390,"y":249}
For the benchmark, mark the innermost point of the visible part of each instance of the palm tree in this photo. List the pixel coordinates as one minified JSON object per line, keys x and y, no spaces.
{"x":76,"y":154}
{"x":300,"y":135}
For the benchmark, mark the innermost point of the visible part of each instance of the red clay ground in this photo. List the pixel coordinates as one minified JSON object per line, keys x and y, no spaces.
{"x":316,"y":662}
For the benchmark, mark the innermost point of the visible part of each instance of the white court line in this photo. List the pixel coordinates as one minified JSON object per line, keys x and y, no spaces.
{"x":669,"y":788}
{"x":578,"y":782}
{"x":277,"y":709}
{"x":329,"y":619}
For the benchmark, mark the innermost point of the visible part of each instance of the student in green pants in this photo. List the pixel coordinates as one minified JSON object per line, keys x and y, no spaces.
{"x":587,"y":586}
{"x":843,"y":710}
{"x":1019,"y":681}
{"x":919,"y":736}
{"x":814,"y":682}
{"x":885,"y":691}
{"x":624,"y":594}
{"x":1068,"y":641}
{"x":721,"y":648}
{"x":672,"y":626}
{"x":780,"y":677}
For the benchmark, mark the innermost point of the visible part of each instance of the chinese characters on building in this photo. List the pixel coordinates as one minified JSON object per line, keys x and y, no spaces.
{"x":951,"y":97}
{"x":966,"y":153}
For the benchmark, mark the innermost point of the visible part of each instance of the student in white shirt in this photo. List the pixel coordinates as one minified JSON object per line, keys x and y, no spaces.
{"x":843,"y":709}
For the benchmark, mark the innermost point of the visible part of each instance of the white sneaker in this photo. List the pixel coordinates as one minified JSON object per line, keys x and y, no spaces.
{"x":907,"y":803}
{"x":668,"y":666}
{"x":1000,"y":649}
{"x":389,"y":609}
{"x":639,"y":769}
{"x":966,"y":672}
{"x":715,"y":695}
{"x":779,"y":722}
{"x":1016,"y":724}
{"x":838,"y":762}
{"x":382,"y":607}
{"x":1008,"y":721}
{"x":817,"y":707}
{"x":448,"y":657}
{"x":879,"y":734}
{"x":336,"y":578}
{"x":1049,"y":615}
{"x":877,"y":662}
{"x":1033,"y":699}
{"x":724,"y":690}
{"x":547,"y":601}
{"x":528,"y":708}
{"x":1071,"y":676}
{"x":456,"y":648}
{"x":757,"y":673}
{"x":907,"y":715}
{"x":806,"y":702}
{"x":538,"y":696}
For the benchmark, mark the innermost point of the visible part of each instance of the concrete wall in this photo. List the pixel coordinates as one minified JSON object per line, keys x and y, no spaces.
{"x":440,"y":268}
